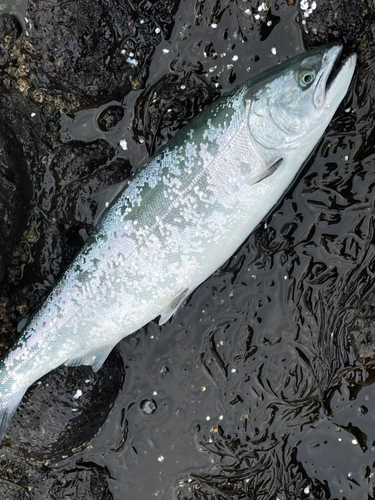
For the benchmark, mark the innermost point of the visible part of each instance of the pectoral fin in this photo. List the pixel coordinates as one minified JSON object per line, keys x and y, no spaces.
{"x":95,"y":357}
{"x":172,"y":308}
{"x":258,"y":177}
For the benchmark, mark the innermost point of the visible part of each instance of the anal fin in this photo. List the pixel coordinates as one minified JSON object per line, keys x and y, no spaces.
{"x":173,"y":307}
{"x":95,"y":358}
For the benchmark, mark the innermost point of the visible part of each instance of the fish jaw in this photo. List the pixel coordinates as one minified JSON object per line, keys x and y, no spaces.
{"x":330,"y":58}
{"x":334,"y":92}
{"x":339,"y":86}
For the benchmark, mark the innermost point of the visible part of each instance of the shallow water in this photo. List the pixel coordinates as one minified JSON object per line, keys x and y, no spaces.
{"x":262,"y":387}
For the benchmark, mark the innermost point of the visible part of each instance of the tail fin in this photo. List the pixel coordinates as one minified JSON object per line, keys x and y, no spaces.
{"x":7,"y":410}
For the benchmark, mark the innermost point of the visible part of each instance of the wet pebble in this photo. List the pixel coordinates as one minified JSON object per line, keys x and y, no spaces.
{"x":148,"y":406}
{"x":110,"y":117}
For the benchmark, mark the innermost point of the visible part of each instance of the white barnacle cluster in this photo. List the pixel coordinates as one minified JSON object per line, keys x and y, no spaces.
{"x":131,"y":58}
{"x":307,"y":7}
{"x":132,"y":61}
{"x":262,"y":9}
{"x":124,"y":144}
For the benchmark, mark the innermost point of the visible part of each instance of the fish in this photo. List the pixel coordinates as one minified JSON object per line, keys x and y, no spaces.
{"x":180,"y":217}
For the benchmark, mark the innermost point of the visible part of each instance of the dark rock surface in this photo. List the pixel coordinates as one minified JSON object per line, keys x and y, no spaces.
{"x":63,"y":411}
{"x":10,"y":30}
{"x":340,"y":19}
{"x":15,"y":193}
{"x":23,"y":143}
{"x":86,"y":480}
{"x":67,"y":43}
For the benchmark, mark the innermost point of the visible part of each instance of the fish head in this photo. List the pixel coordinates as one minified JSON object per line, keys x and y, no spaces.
{"x":295,"y":104}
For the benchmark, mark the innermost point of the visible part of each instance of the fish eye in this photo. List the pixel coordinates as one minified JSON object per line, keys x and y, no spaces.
{"x":306,"y":78}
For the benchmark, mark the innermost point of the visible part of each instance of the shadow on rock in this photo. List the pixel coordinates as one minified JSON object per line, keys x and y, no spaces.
{"x":63,"y":411}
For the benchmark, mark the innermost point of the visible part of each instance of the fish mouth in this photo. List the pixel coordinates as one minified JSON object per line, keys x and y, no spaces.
{"x":335,"y":63}
{"x":339,"y":65}
{"x":337,"y":73}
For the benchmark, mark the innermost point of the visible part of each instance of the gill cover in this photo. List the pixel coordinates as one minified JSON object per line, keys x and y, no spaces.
{"x":294,"y":100}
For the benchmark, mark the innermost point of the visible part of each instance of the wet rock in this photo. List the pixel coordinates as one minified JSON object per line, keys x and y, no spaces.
{"x":10,"y":30}
{"x":21,"y":128}
{"x":78,"y":170}
{"x":81,"y":480}
{"x":13,"y":490}
{"x":336,"y":20}
{"x":15,"y":193}
{"x":362,"y":338}
{"x":86,"y":480}
{"x":87,"y":35}
{"x":63,"y":411}
{"x":21,"y":147}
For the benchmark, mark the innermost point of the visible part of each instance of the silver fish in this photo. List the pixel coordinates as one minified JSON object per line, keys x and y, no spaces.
{"x":181,"y":217}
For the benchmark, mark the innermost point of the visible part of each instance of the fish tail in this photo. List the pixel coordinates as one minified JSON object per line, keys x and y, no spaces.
{"x":8,"y":406}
